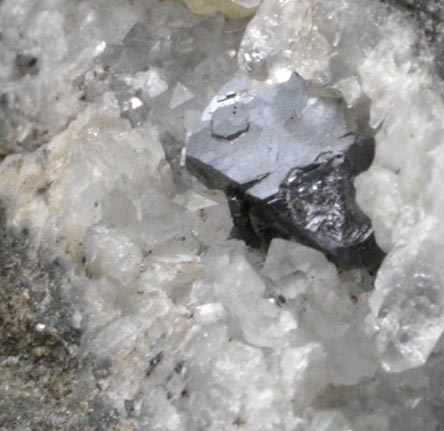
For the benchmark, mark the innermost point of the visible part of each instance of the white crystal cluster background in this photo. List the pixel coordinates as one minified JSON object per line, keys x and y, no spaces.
{"x":203,"y":333}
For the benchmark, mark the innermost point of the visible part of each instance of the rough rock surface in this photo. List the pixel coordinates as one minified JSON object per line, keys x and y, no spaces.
{"x":287,"y":158}
{"x":44,"y":384}
{"x":430,"y":16}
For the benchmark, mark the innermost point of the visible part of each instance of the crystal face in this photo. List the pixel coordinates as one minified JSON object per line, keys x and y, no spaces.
{"x":287,"y":159}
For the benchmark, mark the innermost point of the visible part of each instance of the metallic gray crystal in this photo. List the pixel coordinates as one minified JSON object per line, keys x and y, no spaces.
{"x":287,"y":159}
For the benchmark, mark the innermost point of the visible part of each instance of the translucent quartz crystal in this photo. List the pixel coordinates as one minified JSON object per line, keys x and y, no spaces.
{"x":408,"y":304}
{"x":318,"y":38}
{"x":180,"y":96}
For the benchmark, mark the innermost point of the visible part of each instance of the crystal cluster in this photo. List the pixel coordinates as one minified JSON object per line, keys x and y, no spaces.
{"x":182,"y":328}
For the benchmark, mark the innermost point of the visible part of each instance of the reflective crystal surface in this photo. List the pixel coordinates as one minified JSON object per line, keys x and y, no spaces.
{"x":287,"y":159}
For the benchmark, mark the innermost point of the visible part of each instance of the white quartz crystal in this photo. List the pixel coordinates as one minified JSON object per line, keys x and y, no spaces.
{"x":180,"y":96}
{"x":199,"y":331}
{"x":366,"y":49}
{"x":154,"y":82}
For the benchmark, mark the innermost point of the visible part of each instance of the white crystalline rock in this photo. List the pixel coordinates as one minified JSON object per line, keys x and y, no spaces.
{"x":381,"y":202}
{"x":323,"y":39}
{"x":240,"y":289}
{"x":209,"y":313}
{"x":404,"y":204}
{"x":311,"y":284}
{"x":57,"y":56}
{"x":408,"y":301}
{"x":350,"y":89}
{"x":212,"y":362}
{"x":368,"y":50}
{"x":63,"y":184}
{"x":273,"y":33}
{"x":327,"y":420}
{"x":305,"y":370}
{"x":112,"y":253}
{"x":410,"y":274}
{"x":58,"y":42}
{"x":210,"y":210}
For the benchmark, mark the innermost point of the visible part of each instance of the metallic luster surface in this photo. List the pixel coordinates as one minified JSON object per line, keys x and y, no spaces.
{"x":286,"y":157}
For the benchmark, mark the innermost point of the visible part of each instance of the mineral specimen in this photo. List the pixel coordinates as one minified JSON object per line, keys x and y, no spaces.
{"x":134,"y":310}
{"x":287,"y":158}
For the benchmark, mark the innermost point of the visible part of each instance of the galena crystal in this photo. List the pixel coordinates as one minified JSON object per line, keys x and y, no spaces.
{"x":286,"y":158}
